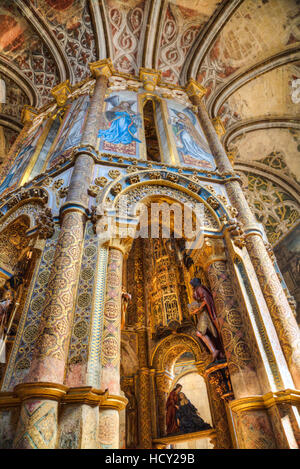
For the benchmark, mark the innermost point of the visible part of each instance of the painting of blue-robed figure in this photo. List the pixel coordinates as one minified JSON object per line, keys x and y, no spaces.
{"x":191,"y":143}
{"x":123,"y":121}
{"x":21,"y":162}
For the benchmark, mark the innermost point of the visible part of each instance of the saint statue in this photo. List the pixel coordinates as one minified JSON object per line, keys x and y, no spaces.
{"x":189,"y":419}
{"x":126,"y":297}
{"x":207,"y":322}
{"x":5,"y":308}
{"x":171,"y":408}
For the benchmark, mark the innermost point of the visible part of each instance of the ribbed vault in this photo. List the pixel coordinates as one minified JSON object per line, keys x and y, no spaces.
{"x":245,"y":52}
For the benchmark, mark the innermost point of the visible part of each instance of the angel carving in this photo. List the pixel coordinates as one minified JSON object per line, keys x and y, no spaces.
{"x":122,"y":120}
{"x":193,"y":144}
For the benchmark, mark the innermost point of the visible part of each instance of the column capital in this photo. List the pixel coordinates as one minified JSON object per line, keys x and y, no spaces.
{"x":102,"y":67}
{"x":115,"y":402}
{"x":61,"y":92}
{"x":232,"y":156}
{"x":114,"y":233}
{"x":266,"y":401}
{"x":219,"y":126}
{"x":28,"y":114}
{"x":211,"y":250}
{"x":150,"y":78}
{"x":195,"y":89}
{"x":121,"y":244}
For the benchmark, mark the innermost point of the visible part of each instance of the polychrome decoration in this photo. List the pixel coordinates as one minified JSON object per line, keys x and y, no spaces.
{"x":22,"y":161}
{"x":191,"y":143}
{"x":140,"y":307}
{"x":181,"y":415}
{"x":123,"y":124}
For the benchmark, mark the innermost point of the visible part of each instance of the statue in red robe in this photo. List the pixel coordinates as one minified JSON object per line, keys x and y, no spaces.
{"x":171,"y":407}
{"x":207,"y":321}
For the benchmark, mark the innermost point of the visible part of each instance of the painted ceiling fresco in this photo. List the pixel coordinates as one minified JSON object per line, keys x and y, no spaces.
{"x":245,"y":52}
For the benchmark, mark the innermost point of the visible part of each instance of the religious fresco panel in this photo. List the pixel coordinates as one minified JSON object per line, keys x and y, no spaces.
{"x":122,"y":134}
{"x":187,"y":407}
{"x":70,"y":132}
{"x":21,"y":162}
{"x":191,"y":144}
{"x":287,"y":253}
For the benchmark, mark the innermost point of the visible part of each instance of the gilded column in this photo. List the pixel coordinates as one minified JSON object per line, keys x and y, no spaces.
{"x":235,"y":337}
{"x":48,"y":364}
{"x":144,"y":398}
{"x":252,"y":362}
{"x":239,"y":343}
{"x":279,"y":308}
{"x":144,"y":401}
{"x":219,"y":418}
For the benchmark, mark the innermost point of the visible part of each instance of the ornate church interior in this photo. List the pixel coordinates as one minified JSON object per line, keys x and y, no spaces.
{"x":149,"y":224}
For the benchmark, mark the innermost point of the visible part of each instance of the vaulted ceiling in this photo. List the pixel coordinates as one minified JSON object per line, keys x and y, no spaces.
{"x":245,"y":52}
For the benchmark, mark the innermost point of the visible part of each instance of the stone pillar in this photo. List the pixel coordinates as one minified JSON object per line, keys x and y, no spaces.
{"x":153,"y":404}
{"x":48,"y":364}
{"x":163,"y":383}
{"x":241,"y":357}
{"x":111,"y":350}
{"x":279,"y":308}
{"x":143,"y":380}
{"x":241,"y":350}
{"x":219,"y":418}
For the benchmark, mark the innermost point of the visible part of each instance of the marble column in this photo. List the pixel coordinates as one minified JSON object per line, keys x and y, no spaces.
{"x":279,"y":308}
{"x":111,"y":349}
{"x":241,"y":349}
{"x":49,"y":360}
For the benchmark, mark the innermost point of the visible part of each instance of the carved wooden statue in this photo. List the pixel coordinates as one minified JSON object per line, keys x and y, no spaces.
{"x":207,"y":321}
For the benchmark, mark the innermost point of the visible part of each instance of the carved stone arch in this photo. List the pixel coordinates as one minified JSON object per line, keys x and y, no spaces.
{"x":29,"y":201}
{"x":31,"y":210}
{"x":206,"y":38}
{"x":139,"y":185}
{"x":36,"y":216}
{"x":172,"y":347}
{"x":163,"y":360}
{"x":273,"y":201}
{"x":239,"y":79}
{"x":13,"y":243}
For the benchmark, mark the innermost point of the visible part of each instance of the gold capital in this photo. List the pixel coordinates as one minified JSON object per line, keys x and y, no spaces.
{"x":194,"y":89}
{"x":150,"y":78}
{"x":102,"y":67}
{"x":219,"y":126}
{"x":28,"y":114}
{"x":209,"y":251}
{"x":61,"y":92}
